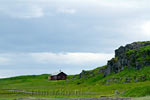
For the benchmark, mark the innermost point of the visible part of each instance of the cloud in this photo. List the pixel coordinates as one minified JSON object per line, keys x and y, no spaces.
{"x":145,"y":28}
{"x":6,"y":73}
{"x":139,"y":28}
{"x":71,"y":58}
{"x":25,"y":12}
{"x":48,"y":58}
{"x":39,"y":8}
{"x":4,"y":60}
{"x":21,"y":9}
{"x":114,"y":3}
{"x":47,"y":62}
{"x":67,"y":10}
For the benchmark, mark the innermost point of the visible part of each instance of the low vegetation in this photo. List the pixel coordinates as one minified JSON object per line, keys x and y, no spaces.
{"x":76,"y":86}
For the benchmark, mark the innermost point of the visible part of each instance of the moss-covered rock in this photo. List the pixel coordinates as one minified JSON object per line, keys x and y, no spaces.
{"x":135,"y":55}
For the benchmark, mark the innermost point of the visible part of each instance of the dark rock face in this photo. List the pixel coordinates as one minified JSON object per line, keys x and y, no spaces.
{"x":85,"y":74}
{"x":82,"y":74}
{"x":126,"y":56}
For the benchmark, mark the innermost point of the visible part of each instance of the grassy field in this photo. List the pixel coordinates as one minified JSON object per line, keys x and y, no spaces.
{"x":87,"y":86}
{"x":142,"y":98}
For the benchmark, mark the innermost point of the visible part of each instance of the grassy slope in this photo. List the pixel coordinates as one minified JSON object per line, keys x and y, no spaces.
{"x":88,"y":84}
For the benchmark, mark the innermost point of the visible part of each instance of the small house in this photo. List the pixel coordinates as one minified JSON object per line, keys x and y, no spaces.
{"x":58,"y":76}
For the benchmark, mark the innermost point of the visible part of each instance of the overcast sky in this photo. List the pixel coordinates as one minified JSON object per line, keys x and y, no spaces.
{"x":44,"y":36}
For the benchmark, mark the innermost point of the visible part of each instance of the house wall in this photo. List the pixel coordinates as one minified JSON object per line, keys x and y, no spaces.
{"x":60,"y":76}
{"x":54,"y":77}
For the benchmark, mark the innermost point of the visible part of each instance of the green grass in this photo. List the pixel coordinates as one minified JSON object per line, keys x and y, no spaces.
{"x":96,"y":83}
{"x":142,"y":98}
{"x":138,"y":91}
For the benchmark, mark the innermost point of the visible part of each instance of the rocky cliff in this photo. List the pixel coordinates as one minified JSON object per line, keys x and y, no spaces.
{"x":135,"y":55}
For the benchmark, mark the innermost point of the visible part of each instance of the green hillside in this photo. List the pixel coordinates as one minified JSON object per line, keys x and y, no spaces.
{"x":114,"y":79}
{"x":97,"y":84}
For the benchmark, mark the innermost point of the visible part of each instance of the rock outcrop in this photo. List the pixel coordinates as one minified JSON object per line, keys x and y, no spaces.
{"x":135,"y":55}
